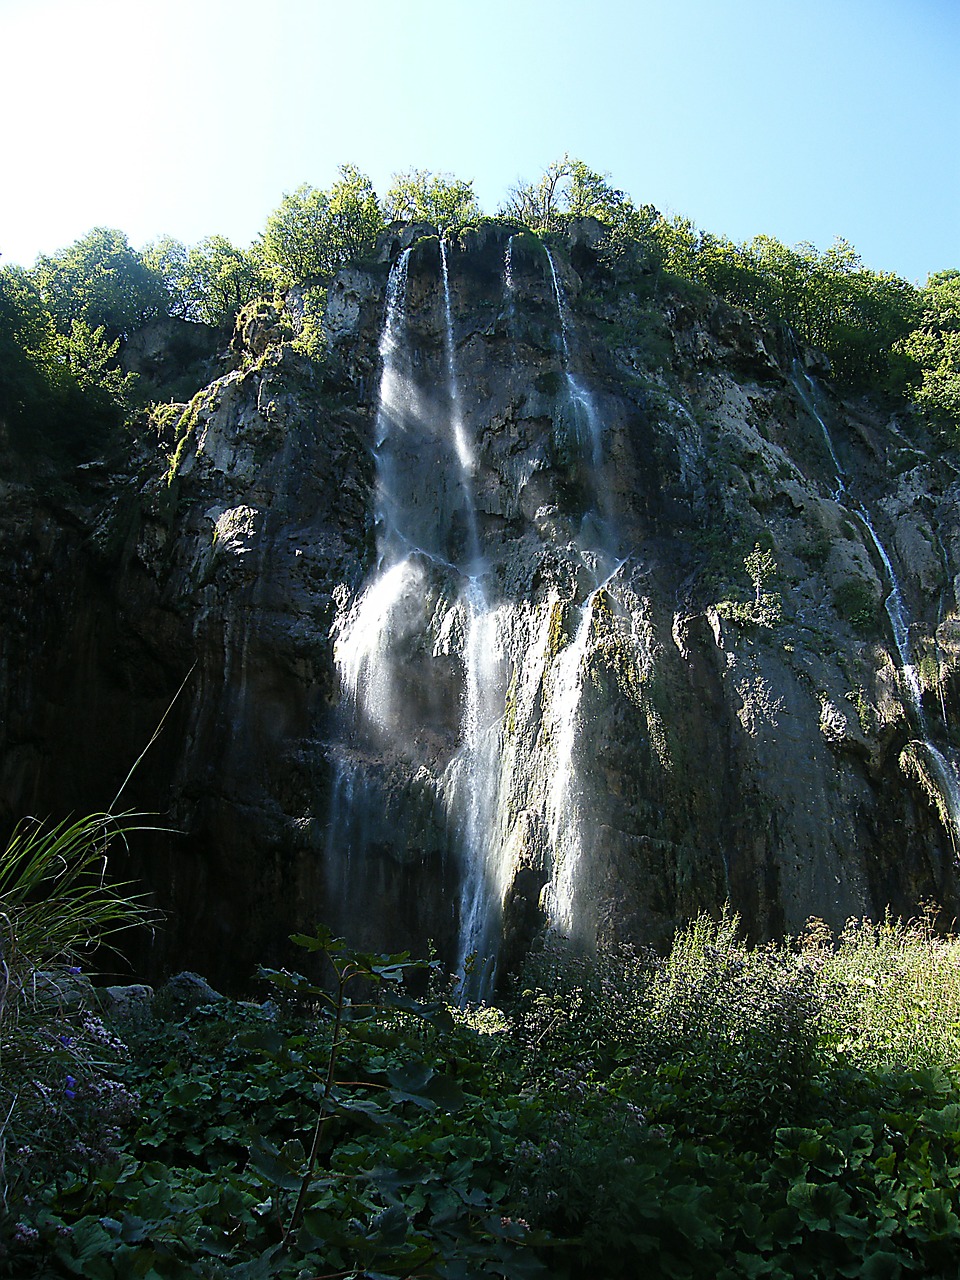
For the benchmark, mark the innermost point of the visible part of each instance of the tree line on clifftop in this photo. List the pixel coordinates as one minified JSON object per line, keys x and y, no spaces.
{"x":64,"y":321}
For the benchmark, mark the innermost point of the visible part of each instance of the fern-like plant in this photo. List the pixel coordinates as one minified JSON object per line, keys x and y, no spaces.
{"x":57,"y":905}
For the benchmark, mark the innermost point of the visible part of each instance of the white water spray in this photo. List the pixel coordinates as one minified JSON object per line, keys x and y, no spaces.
{"x":563,"y":808}
{"x":464,"y":452}
{"x":586,"y":417}
{"x":944,"y":769}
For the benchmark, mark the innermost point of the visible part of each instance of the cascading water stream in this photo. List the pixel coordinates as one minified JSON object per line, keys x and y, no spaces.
{"x":364,"y":638}
{"x":581,"y":401}
{"x":807,"y":392}
{"x":510,"y":285}
{"x":564,"y":820}
{"x":461,"y":444}
{"x":473,"y":777}
{"x":433,"y":590}
{"x":945,"y":770}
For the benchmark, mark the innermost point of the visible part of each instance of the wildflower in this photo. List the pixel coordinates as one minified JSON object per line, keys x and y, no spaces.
{"x":70,"y":1088}
{"x":73,"y":968}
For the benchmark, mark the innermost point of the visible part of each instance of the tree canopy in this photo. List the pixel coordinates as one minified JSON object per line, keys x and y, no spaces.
{"x":62,"y":323}
{"x":438,"y":198}
{"x":935,"y":346}
{"x":100,"y":281}
{"x":63,"y":388}
{"x":828,"y":300}
{"x":209,"y":282}
{"x":313,"y":233}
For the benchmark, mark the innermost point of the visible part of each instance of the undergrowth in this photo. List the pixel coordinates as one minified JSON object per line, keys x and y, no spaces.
{"x":728,"y":1110}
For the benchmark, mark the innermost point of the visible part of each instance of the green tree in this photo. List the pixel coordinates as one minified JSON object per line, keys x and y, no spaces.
{"x":220,"y":279}
{"x":314,"y":233}
{"x":26,"y":330}
{"x":100,"y":280}
{"x":827,"y":300}
{"x":62,"y":391}
{"x":208,"y":283}
{"x":934,"y":347}
{"x":438,"y":198}
{"x":93,"y":361}
{"x":168,"y":258}
{"x":540,"y":205}
{"x":569,"y":188}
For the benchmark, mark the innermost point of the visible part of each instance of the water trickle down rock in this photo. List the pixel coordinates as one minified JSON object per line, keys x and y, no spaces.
{"x":709,"y":757}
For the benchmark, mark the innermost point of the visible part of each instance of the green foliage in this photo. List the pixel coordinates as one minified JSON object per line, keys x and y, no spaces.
{"x":209,"y":282}
{"x":100,"y":281}
{"x":568,"y":189}
{"x":829,"y":300}
{"x":723,"y":1110}
{"x":895,"y":991}
{"x":61,"y":391}
{"x":856,"y":604}
{"x":26,"y":332}
{"x":766,"y":607}
{"x":438,"y":198}
{"x":314,"y":233}
{"x":935,"y":348}
{"x":57,"y":906}
{"x":310,"y":339}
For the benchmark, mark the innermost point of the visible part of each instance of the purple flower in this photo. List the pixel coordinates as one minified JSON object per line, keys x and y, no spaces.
{"x":70,"y":1088}
{"x":66,"y":1041}
{"x":73,"y":968}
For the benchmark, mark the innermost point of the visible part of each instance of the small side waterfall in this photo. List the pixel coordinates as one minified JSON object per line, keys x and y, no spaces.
{"x":587,"y":420}
{"x":564,"y":819}
{"x":509,"y":285}
{"x":944,"y":770}
{"x":807,"y":392}
{"x":464,"y":452}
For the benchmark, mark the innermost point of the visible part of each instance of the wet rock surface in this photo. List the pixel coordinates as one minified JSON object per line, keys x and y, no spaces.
{"x":716,"y":738}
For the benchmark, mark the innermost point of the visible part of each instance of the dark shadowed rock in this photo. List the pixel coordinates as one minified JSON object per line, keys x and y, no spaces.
{"x":766,"y":752}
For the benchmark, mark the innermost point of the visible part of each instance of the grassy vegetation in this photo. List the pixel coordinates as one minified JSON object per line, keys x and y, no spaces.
{"x":789,"y":1110}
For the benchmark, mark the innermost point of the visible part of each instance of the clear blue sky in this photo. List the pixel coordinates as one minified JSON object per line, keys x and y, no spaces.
{"x":802,"y":119}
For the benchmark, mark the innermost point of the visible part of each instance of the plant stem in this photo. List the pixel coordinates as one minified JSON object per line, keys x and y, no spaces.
{"x":342,"y":980}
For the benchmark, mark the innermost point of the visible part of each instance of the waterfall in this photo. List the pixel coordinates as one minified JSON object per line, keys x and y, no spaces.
{"x":563,"y":817}
{"x":461,"y":445}
{"x":893,"y":604}
{"x":807,"y":393}
{"x":944,"y":769}
{"x":471,"y":783}
{"x":509,"y":284}
{"x":505,"y":777}
{"x":365,"y":636}
{"x":563,"y":805}
{"x":585,"y":415}
{"x":464,"y":453}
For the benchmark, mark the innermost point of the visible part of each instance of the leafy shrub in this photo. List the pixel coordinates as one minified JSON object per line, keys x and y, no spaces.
{"x":894,"y":993}
{"x":56,"y":906}
{"x":855,"y":603}
{"x":723,"y":1110}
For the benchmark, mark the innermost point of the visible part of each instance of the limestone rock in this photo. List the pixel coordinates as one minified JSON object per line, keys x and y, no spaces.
{"x":716,"y":739}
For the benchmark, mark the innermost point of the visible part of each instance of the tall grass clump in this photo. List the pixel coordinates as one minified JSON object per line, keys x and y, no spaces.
{"x":739,"y":1024}
{"x":58,"y":905}
{"x":893,"y":991}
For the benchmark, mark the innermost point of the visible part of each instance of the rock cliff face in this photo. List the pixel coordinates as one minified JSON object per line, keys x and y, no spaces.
{"x":473,"y":639}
